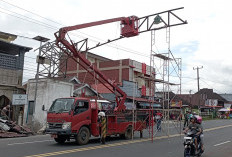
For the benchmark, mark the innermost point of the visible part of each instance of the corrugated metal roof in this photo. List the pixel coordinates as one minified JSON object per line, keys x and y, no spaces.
{"x":12,"y":49}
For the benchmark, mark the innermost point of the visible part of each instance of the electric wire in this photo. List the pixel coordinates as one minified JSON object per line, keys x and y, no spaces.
{"x":52,"y":27}
{"x":214,"y":81}
{"x":29,"y":11}
{"x":26,"y":19}
{"x":211,"y":86}
{"x":55,"y":28}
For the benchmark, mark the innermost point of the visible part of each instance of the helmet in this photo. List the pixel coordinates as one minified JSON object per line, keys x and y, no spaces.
{"x":199,"y":119}
{"x":194,"y":113}
{"x":193,"y":117}
{"x":101,"y":114}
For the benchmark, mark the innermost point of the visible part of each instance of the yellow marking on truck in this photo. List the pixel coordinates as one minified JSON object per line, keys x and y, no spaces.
{"x":116,"y":144}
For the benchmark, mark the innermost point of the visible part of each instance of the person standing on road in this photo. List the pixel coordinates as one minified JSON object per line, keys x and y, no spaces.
{"x":158,"y":118}
{"x":186,"y":119}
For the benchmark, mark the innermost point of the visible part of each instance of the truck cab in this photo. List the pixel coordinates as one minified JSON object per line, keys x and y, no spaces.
{"x":71,"y":118}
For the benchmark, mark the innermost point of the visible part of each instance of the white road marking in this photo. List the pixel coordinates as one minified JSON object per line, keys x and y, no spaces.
{"x":222,"y":143}
{"x":29,"y":142}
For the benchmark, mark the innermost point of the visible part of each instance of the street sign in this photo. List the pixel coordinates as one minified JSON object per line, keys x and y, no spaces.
{"x":19,"y":99}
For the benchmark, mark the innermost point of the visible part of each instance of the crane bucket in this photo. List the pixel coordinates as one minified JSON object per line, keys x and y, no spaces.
{"x":129,"y":27}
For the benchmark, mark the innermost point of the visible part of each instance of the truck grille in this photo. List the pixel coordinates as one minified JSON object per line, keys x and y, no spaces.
{"x":55,"y":125}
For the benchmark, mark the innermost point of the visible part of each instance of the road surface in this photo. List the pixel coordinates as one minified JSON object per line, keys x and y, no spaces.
{"x":218,"y":142}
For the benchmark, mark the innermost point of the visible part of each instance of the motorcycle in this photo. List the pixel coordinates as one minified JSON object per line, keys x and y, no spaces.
{"x":189,"y":145}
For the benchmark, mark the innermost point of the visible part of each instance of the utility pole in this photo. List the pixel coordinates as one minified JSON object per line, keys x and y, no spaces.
{"x":190,"y":97}
{"x":41,"y":40}
{"x":198,"y":78}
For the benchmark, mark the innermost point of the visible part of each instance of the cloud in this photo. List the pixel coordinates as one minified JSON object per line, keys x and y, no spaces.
{"x":205,"y":40}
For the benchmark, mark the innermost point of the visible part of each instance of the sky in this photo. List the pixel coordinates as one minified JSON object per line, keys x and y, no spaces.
{"x":204,"y":41}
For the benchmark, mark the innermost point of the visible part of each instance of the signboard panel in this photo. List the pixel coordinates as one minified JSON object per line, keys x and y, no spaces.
{"x":227,"y":106}
{"x":176,"y":103}
{"x":212,"y":102}
{"x":19,"y":99}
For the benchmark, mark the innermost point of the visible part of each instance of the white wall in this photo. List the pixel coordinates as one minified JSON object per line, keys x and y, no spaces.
{"x":47,"y":91}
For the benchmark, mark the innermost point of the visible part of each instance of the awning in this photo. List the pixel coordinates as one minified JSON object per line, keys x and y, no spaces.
{"x":138,"y":99}
{"x":148,"y":105}
{"x":212,"y":106}
{"x":225,"y":109}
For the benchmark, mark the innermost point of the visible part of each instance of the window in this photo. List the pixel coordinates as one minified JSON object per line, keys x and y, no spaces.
{"x":81,"y":106}
{"x":61,"y":105}
{"x":31,"y":105}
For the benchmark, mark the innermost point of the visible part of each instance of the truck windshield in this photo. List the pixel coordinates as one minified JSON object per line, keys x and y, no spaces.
{"x":61,"y":105}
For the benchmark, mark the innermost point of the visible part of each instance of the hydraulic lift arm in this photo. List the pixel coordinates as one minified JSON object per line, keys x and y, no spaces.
{"x":130,"y":26}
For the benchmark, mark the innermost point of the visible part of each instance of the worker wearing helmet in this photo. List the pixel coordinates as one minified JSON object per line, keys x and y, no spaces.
{"x":193,"y":126}
{"x":102,"y":120}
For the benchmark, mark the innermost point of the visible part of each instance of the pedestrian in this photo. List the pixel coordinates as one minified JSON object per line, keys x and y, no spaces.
{"x":5,"y":112}
{"x":158,"y":118}
{"x":186,"y":119}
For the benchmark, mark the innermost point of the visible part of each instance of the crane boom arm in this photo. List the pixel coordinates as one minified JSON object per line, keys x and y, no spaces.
{"x":128,"y":30}
{"x":64,"y":30}
{"x":129,"y":27}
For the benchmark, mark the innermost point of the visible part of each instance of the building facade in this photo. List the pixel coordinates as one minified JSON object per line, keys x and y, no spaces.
{"x":11,"y":71}
{"x":47,"y":90}
{"x":115,"y":70}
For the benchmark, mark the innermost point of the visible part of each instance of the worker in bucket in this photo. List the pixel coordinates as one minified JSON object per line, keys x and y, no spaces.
{"x":102,"y":120}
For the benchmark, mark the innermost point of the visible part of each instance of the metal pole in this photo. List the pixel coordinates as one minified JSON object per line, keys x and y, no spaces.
{"x":168,"y":78}
{"x":180,"y":70}
{"x":36,"y":86}
{"x":150,"y":90}
{"x":133,"y":111}
{"x":198,"y":78}
{"x":198,"y":86}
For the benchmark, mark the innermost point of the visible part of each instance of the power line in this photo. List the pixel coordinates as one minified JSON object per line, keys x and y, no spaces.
{"x":29,"y":11}
{"x":211,"y":87}
{"x":55,"y":28}
{"x":27,"y":17}
{"x":110,"y":45}
{"x":26,"y":20}
{"x":214,"y":81}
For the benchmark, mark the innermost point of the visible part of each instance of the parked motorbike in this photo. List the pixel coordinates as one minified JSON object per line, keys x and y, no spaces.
{"x":189,"y":145}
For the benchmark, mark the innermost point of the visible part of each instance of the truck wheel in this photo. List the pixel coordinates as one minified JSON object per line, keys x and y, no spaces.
{"x":122,"y":136}
{"x":128,"y":133}
{"x":60,"y":139}
{"x":83,"y":136}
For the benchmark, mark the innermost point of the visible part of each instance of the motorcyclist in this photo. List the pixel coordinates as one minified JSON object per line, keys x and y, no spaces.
{"x":201,"y":137}
{"x":193,"y":126}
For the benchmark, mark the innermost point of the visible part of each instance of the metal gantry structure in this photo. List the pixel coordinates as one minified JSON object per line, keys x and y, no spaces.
{"x":52,"y":61}
{"x":167,"y":67}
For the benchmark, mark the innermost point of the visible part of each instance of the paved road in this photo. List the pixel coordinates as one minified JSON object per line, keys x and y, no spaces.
{"x":218,"y":142}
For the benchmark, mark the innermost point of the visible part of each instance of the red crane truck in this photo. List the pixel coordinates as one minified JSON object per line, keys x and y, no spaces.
{"x":77,"y":117}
